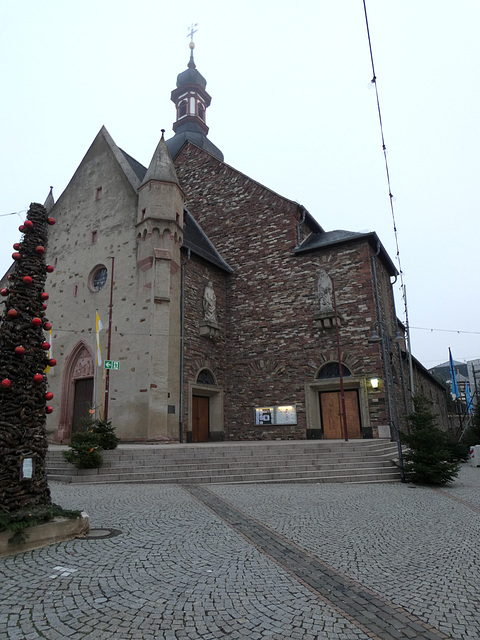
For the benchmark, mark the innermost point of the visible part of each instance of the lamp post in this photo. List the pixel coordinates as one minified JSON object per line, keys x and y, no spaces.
{"x":381,"y":334}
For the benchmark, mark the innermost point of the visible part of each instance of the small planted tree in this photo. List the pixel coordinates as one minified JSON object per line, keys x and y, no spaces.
{"x":86,"y":446}
{"x":432,"y":456}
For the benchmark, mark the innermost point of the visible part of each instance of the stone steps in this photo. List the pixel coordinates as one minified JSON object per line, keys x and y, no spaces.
{"x":250,"y":462}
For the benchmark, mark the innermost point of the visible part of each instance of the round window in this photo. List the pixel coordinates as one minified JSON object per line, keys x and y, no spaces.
{"x":98,"y":278}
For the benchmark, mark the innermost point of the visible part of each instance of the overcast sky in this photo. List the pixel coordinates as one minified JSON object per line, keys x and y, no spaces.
{"x":292,"y":107}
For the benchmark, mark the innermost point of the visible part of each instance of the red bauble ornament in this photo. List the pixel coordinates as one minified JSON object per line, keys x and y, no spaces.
{"x":28,"y":224}
{"x":52,"y":362}
{"x":27,"y":279}
{"x":47,"y":326}
{"x":49,"y":268}
{"x":40,"y":250}
{"x":51,"y":221}
{"x":5,"y":383}
{"x":45,"y":346}
{"x":16,"y":256}
{"x":21,"y":228}
{"x":48,"y":409}
{"x":16,"y":246}
{"x":38,"y":377}
{"x":12,"y":313}
{"x":44,"y":306}
{"x":19,"y":351}
{"x":4,"y":291}
{"x":44,"y":296}
{"x":48,"y":395}
{"x":36,"y":322}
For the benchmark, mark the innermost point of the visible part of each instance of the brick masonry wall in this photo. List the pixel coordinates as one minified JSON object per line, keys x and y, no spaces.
{"x":272,"y":346}
{"x":199,"y":351}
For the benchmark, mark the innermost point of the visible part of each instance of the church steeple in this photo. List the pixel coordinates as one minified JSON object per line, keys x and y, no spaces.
{"x":191,"y":101}
{"x":190,"y":97}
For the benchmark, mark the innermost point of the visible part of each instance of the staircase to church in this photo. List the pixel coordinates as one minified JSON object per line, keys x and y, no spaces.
{"x":356,"y":461}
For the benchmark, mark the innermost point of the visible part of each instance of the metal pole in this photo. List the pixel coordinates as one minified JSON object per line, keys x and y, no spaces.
{"x":342,"y":390}
{"x":109,"y":347}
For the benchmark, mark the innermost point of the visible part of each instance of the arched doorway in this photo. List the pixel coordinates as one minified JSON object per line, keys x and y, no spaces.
{"x":331,"y":407}
{"x":77,"y":390}
{"x":205,"y":419}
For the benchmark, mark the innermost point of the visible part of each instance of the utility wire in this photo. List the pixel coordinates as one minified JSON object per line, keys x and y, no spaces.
{"x":14,"y":213}
{"x":475,"y":333}
{"x":390,"y":195}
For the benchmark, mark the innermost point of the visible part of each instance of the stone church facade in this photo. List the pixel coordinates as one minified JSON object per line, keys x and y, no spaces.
{"x":233,"y":314}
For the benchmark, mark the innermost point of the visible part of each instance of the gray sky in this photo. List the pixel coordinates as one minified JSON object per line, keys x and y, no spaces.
{"x":292,"y":107}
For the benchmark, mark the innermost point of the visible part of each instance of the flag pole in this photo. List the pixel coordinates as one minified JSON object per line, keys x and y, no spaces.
{"x":107,"y":376}
{"x":342,"y":390}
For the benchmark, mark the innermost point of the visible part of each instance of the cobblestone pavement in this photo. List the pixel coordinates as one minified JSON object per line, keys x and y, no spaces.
{"x":303,"y":561}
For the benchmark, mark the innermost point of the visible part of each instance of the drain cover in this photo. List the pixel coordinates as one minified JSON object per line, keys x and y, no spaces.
{"x":101,"y":534}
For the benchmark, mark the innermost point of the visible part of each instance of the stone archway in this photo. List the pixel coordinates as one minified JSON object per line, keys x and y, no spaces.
{"x":205,"y":402}
{"x":77,"y":389}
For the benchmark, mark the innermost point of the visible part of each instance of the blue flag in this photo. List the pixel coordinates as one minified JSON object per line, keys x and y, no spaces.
{"x":468,"y":398}
{"x":453,"y":376}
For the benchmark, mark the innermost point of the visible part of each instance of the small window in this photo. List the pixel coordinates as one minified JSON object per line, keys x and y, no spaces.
{"x":98,"y":278}
{"x":205,"y":377}
{"x":98,"y":193}
{"x":182,"y":111}
{"x":201,"y":112}
{"x":93,"y":236}
{"x":332,"y":370}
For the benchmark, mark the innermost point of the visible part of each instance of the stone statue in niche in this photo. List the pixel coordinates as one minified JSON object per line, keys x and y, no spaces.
{"x":325,"y":291}
{"x":209,"y":304}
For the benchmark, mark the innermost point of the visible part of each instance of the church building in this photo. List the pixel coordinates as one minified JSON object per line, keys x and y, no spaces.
{"x":228,"y":311}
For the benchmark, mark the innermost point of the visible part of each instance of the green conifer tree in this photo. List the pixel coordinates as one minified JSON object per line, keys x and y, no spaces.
{"x":431,"y":454}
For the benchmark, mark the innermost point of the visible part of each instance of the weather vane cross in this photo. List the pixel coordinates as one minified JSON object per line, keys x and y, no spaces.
{"x":192,"y":31}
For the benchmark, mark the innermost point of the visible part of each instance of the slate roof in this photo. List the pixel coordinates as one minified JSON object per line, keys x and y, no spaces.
{"x":196,"y":240}
{"x":339,"y":236}
{"x":138,"y":169}
{"x":194,"y":237}
{"x":193,"y":132}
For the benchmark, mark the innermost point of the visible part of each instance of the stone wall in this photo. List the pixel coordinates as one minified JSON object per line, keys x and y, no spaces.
{"x":273,"y":345}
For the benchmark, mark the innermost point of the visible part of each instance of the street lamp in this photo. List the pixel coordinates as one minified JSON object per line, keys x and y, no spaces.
{"x":381,"y":334}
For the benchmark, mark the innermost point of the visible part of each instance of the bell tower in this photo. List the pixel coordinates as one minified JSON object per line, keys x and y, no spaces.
{"x":191,"y":103}
{"x":159,"y":231}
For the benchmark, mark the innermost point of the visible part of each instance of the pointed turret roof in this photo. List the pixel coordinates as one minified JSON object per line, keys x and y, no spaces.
{"x":49,"y":202}
{"x":161,"y":167}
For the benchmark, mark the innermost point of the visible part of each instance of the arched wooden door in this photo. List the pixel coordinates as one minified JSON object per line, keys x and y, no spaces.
{"x":77,"y":390}
{"x":82,"y":403}
{"x":200,"y":418}
{"x":332,"y":414}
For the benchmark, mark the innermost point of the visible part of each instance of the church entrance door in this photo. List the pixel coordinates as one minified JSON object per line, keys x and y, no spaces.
{"x":200,"y":419}
{"x":331,"y":412}
{"x":82,"y":403}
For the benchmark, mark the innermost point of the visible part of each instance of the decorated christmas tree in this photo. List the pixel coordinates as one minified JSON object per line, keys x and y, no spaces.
{"x":24,"y":356}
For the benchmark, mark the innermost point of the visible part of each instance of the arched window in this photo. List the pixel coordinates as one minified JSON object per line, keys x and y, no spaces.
{"x":205,"y":377}
{"x":182,"y":110}
{"x":332,"y":370}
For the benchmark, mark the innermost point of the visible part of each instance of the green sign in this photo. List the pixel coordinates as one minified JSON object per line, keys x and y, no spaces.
{"x":112,"y":364}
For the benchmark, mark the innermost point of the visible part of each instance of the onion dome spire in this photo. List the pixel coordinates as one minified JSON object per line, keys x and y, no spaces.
{"x":191,"y":102}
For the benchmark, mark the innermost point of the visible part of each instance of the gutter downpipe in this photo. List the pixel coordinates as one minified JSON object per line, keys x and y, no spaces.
{"x":182,"y":336}
{"x":385,"y":367}
{"x":407,"y":327}
{"x":382,"y":338}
